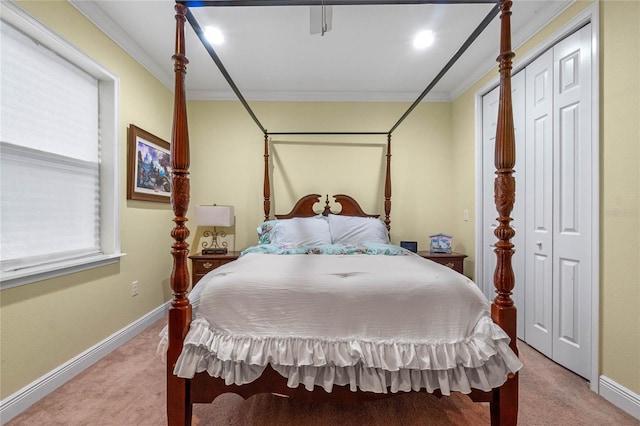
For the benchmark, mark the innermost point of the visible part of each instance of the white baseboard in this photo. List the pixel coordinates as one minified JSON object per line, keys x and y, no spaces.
{"x":16,"y":403}
{"x":620,"y":396}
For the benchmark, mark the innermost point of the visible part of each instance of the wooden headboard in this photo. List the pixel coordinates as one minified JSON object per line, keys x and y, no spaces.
{"x":304,"y":207}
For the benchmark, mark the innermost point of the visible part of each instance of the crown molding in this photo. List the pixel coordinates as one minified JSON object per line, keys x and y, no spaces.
{"x":115,"y":32}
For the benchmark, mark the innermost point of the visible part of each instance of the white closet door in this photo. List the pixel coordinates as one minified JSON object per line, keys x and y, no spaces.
{"x":572,"y":203}
{"x":489,"y":214}
{"x":558,"y":199}
{"x":553,"y":214}
{"x":539,"y":201}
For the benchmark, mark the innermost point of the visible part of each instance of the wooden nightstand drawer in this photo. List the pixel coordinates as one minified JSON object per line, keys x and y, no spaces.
{"x":201,"y":264}
{"x":205,"y":265}
{"x":454,"y":261}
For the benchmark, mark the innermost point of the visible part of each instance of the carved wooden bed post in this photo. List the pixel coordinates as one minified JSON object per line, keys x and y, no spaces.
{"x":178,"y":393}
{"x":387,"y":186}
{"x":267,"y":183}
{"x":504,"y":407}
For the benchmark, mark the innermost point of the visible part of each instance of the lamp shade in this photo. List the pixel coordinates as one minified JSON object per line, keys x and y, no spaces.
{"x":214,"y":215}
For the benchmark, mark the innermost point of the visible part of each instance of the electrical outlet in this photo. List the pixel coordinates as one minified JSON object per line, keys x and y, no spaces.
{"x":134,"y":288}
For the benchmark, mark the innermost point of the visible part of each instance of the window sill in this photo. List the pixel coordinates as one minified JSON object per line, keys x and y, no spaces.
{"x":41,"y":273}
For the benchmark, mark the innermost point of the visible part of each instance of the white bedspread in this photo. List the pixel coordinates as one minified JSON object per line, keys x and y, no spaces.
{"x":377,"y":323}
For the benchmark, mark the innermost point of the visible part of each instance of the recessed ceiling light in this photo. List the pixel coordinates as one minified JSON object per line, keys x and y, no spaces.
{"x":423,"y":39}
{"x":214,"y":35}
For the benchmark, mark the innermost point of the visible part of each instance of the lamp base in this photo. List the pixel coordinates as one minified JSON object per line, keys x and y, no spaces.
{"x":214,"y":250}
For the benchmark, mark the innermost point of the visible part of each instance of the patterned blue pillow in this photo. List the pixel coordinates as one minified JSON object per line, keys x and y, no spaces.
{"x":266,"y":232}
{"x":295,"y":232}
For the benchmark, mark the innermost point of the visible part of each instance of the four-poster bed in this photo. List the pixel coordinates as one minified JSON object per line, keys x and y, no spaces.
{"x":492,"y":378}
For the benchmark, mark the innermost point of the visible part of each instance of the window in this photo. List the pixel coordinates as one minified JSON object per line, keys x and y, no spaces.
{"x":59,"y":209}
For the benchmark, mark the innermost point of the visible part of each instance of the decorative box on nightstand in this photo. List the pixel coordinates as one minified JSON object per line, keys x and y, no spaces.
{"x":454,"y":261}
{"x":203,"y":263}
{"x":440,"y":243}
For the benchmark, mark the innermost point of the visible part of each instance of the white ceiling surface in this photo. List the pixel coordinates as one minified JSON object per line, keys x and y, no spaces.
{"x":271,"y":55}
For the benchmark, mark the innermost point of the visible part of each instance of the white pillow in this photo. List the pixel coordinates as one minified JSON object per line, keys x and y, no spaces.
{"x":302,"y":231}
{"x":357,"y":230}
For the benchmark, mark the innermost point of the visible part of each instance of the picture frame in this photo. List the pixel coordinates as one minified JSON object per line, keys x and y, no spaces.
{"x":148,"y":167}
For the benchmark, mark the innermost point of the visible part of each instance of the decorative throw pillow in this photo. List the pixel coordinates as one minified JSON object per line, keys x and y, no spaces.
{"x":297,"y":231}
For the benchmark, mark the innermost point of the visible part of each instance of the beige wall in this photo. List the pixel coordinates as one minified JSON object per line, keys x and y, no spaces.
{"x":229,"y":165}
{"x":45,"y":324}
{"x":619,"y":179}
{"x":433,"y":176}
{"x":620,"y":192}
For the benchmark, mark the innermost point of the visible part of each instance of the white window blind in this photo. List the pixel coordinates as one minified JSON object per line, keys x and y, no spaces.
{"x":49,"y":158}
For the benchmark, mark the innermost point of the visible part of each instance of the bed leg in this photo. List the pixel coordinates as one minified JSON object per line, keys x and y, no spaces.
{"x":179,"y":403}
{"x":504,"y":407}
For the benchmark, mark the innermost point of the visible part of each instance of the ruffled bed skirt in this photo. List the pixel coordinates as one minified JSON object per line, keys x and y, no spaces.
{"x":481,"y":361}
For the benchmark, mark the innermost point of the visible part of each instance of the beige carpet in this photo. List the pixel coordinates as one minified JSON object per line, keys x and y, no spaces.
{"x":128,"y":388}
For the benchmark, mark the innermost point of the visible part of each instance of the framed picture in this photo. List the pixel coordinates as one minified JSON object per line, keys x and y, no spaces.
{"x":148,"y":167}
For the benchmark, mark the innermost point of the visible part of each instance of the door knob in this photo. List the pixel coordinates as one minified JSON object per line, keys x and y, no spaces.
{"x":539,"y":244}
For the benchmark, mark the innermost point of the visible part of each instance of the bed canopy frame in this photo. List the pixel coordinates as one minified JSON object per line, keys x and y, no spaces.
{"x":216,"y":59}
{"x":182,"y":393}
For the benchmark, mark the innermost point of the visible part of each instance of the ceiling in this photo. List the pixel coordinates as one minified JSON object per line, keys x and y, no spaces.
{"x":366,"y":56}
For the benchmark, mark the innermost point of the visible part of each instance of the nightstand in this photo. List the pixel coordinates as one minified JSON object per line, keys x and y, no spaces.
{"x":454,"y":261}
{"x":203,"y":263}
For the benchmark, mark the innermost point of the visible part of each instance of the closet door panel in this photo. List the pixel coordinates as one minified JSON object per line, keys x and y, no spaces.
{"x":539,"y":303}
{"x":569,"y":287}
{"x":569,"y":170}
{"x":572,"y":203}
{"x":539,"y":202}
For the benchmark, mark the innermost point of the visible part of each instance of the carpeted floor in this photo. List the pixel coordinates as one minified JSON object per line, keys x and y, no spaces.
{"x":128,"y":388}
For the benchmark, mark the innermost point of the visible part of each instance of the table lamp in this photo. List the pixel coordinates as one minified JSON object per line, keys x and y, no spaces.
{"x":214,"y":215}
